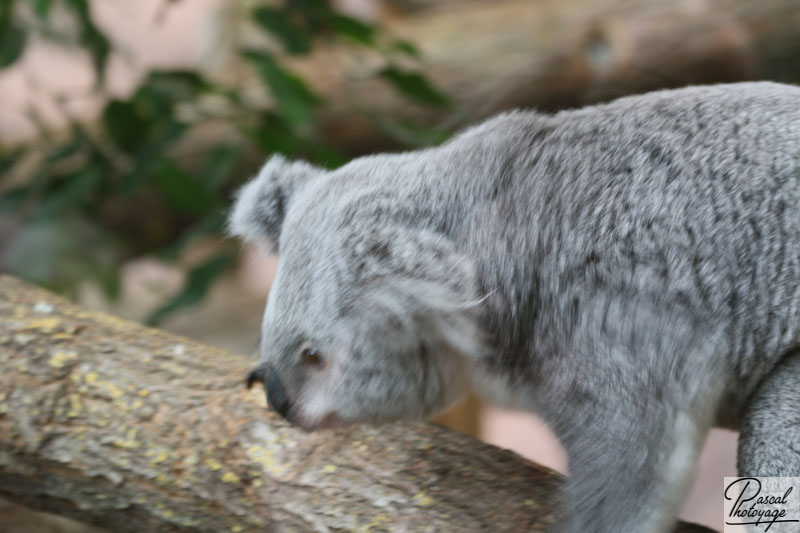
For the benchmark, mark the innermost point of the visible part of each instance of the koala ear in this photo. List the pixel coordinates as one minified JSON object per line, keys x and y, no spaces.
{"x":262,"y":203}
{"x":418,"y":280}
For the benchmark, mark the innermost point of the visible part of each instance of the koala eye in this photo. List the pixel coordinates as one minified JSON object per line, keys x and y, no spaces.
{"x":310,"y":356}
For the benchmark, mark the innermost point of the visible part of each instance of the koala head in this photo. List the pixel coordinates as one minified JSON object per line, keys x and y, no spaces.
{"x":372,"y":316}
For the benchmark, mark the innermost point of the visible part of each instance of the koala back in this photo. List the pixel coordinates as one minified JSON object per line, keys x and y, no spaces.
{"x":687,"y":197}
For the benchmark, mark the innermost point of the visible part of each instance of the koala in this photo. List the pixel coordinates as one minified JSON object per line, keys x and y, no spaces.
{"x":629,"y":271}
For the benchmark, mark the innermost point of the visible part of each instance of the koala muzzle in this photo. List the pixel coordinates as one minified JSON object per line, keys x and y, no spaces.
{"x":276,"y":393}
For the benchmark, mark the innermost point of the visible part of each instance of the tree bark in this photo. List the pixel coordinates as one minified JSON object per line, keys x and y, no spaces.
{"x":550,"y":54}
{"x":137,"y":430}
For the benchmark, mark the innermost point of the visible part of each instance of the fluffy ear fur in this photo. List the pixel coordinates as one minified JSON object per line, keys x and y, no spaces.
{"x":262,"y":203}
{"x":417,"y":280}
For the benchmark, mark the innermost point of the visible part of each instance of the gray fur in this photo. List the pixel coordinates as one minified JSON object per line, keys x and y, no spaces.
{"x":770,"y":441}
{"x":629,"y":271}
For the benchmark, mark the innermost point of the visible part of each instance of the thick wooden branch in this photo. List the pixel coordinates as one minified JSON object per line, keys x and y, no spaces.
{"x":137,"y":430}
{"x":548,"y":54}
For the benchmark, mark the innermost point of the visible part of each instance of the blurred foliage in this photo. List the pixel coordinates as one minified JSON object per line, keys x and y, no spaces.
{"x":118,"y":189}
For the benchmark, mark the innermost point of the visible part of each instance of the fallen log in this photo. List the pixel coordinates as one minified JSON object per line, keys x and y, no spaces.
{"x":138,"y":430}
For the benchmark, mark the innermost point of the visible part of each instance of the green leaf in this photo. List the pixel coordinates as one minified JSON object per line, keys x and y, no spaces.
{"x":9,"y":160}
{"x":355,"y":29}
{"x":70,"y":192}
{"x":11,"y":200}
{"x":150,"y":155}
{"x":325,"y":156}
{"x":91,"y":37}
{"x":177,"y":85}
{"x":294,"y":100}
{"x":406,"y":48}
{"x":100,"y":48}
{"x":213,"y":224}
{"x":414,"y":86}
{"x":42,"y":7}
{"x":295,"y":38}
{"x":315,"y":6}
{"x":313,"y":13}
{"x":219,"y":165}
{"x":195,"y":288}
{"x":273,"y":134}
{"x":12,"y":44}
{"x":183,"y":194}
{"x":108,"y":276}
{"x":71,"y":148}
{"x":125,"y":124}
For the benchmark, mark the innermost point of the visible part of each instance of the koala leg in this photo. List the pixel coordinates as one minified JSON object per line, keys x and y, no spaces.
{"x":769,"y":444}
{"x":633,"y":415}
{"x":631,"y":475}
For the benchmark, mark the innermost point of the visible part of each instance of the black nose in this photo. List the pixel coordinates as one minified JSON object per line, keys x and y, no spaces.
{"x":276,"y":393}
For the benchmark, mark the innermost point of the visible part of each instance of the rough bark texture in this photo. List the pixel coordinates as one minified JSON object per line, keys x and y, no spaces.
{"x":137,"y":430}
{"x":549,"y":54}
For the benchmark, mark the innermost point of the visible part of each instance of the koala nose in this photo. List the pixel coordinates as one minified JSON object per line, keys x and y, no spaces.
{"x":276,"y":393}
